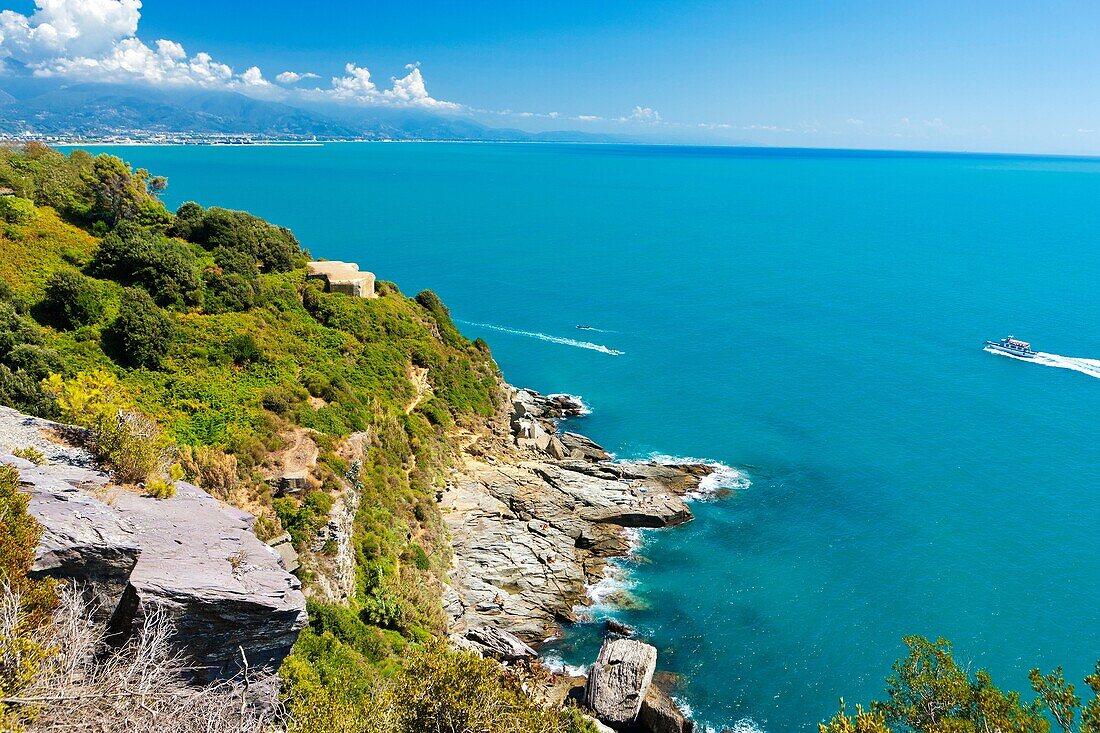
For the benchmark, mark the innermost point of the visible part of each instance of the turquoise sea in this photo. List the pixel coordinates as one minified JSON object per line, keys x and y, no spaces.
{"x":812,"y":318}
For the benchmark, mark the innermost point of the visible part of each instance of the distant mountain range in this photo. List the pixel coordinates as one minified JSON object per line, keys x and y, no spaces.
{"x":55,"y":109}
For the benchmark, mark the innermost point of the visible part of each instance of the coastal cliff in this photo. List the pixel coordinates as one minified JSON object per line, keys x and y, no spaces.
{"x":254,"y":471}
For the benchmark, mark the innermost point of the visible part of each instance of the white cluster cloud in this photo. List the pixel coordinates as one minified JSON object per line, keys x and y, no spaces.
{"x":293,"y":77}
{"x":408,"y":91}
{"x":75,"y":28}
{"x":644,"y":115}
{"x":96,"y":40}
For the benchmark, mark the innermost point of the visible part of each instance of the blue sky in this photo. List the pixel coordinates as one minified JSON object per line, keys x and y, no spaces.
{"x":1008,"y":76}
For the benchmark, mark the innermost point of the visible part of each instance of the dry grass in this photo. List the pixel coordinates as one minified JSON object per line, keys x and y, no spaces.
{"x":87,"y":686}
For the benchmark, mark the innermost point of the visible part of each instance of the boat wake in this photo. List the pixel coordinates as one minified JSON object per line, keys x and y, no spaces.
{"x":1090,"y":367}
{"x":546,"y":337}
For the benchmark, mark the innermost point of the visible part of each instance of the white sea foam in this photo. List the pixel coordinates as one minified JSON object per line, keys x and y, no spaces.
{"x":556,"y":664}
{"x":744,"y":725}
{"x":616,"y":580}
{"x":546,"y":337}
{"x":1090,"y":367}
{"x":724,"y":477}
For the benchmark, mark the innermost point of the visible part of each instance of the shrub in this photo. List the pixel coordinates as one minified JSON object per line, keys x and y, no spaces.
{"x":35,"y":360}
{"x":128,"y":441}
{"x":160,"y":488}
{"x":241,"y":242}
{"x":142,"y":333}
{"x":212,"y":469}
{"x":26,"y":603}
{"x":16,"y":210}
{"x":23,"y":363}
{"x":281,"y":400}
{"x":87,"y":681}
{"x":72,"y":300}
{"x":30,"y":453}
{"x":230,"y":291}
{"x":243,"y":349}
{"x":135,"y":255}
{"x":444,"y":689}
{"x":303,"y":520}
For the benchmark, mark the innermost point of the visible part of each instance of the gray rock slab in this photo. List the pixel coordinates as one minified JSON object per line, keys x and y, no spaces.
{"x":619,"y":680}
{"x":494,"y":642}
{"x":660,"y":714}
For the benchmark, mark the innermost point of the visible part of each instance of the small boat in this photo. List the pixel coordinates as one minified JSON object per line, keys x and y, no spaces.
{"x":584,"y":327}
{"x":1013,"y":346}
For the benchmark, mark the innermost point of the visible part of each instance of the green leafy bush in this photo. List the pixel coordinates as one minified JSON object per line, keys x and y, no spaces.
{"x":135,"y":255}
{"x":130,"y":442}
{"x":30,"y":453}
{"x":230,"y":291}
{"x":72,"y":300}
{"x":241,"y":243}
{"x":303,"y":519}
{"x":16,"y":210}
{"x":24,"y":362}
{"x":142,"y":333}
{"x":243,"y":349}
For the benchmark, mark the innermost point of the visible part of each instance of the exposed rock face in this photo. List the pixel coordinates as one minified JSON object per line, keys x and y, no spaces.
{"x":190,"y":555}
{"x":586,"y":449}
{"x":223,"y":587}
{"x":535,"y":516}
{"x":619,"y":680}
{"x":83,"y":539}
{"x":527,"y":538}
{"x":659,"y":714}
{"x":547,"y":407}
{"x":493,"y":642}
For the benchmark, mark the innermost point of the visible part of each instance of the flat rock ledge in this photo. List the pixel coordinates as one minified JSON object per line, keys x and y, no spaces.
{"x":532,"y":526}
{"x":191,"y":555}
{"x":529,"y":538}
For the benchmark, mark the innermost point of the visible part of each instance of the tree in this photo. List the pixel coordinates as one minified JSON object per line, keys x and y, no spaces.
{"x":241,"y":242}
{"x":929,"y":693}
{"x":865,"y":721}
{"x":142,"y":333}
{"x":72,"y":300}
{"x":116,"y":193}
{"x":135,"y":255}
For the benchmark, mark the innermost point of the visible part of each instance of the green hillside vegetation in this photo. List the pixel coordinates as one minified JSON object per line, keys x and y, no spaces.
{"x":204,"y":323}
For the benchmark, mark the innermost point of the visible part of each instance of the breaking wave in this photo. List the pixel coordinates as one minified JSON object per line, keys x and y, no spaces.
{"x":745,"y":725}
{"x":546,"y":337}
{"x":1090,"y":367}
{"x":584,"y":408}
{"x":724,"y":477}
{"x":556,"y":664}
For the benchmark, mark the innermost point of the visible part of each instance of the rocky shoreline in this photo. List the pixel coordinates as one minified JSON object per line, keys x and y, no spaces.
{"x":536,"y":517}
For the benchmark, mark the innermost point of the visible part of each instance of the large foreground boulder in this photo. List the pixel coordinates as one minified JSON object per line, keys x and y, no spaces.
{"x":619,"y":680}
{"x":222,"y":586}
{"x":83,"y":540}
